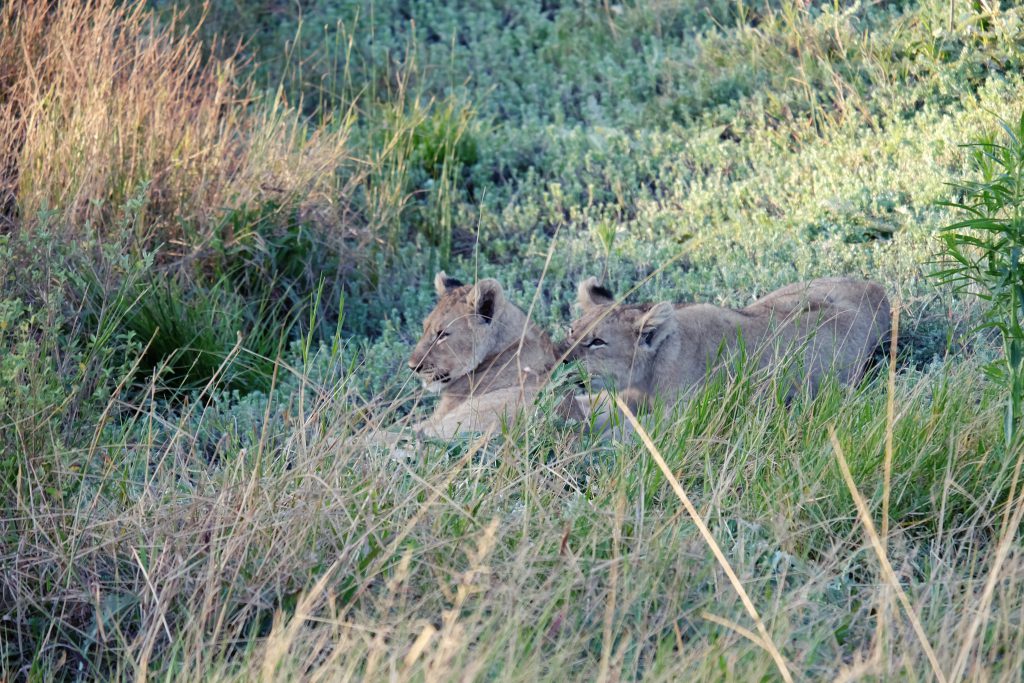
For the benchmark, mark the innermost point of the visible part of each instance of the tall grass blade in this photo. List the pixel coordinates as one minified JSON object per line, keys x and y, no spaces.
{"x":766,"y":640}
{"x":883,"y":560}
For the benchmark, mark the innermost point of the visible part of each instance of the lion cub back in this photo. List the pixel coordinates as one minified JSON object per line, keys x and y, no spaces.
{"x":831,"y":324}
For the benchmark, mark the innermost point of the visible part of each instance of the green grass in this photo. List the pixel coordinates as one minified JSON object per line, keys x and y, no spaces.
{"x":184,"y":502}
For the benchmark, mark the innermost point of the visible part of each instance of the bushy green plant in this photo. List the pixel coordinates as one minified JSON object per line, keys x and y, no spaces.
{"x":985,"y":251}
{"x":422,"y":152}
{"x":277,"y":253}
{"x":444,"y":139}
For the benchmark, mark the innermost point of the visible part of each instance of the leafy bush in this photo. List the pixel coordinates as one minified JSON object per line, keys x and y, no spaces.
{"x":985,"y":251}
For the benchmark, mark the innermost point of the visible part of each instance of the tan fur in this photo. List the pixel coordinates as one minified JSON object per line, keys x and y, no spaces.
{"x":483,"y":356}
{"x":668,"y":350}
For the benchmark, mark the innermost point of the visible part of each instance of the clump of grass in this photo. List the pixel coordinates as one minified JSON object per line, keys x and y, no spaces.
{"x":197,"y":334}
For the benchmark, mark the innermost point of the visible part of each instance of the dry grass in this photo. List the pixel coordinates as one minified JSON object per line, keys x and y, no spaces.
{"x":763,"y":639}
{"x":888,"y":573}
{"x":535,"y":556}
{"x":100,"y":106}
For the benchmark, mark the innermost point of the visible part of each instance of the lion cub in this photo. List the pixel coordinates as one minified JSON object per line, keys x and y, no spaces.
{"x":669,"y":350}
{"x":483,"y":356}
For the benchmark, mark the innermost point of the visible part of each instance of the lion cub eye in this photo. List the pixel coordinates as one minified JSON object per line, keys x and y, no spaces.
{"x":595,"y":343}
{"x":442,"y":335}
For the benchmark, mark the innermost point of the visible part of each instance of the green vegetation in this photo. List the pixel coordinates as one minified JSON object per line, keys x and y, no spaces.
{"x":218,"y":232}
{"x":986,"y":250}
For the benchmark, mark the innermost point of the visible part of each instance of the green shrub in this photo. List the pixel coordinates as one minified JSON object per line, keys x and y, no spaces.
{"x":985,"y":256}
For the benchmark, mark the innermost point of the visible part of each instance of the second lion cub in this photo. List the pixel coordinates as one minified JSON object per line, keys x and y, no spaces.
{"x":668,"y":350}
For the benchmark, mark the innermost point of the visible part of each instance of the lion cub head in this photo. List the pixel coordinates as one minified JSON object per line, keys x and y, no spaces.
{"x":617,"y":343}
{"x":460,"y":332}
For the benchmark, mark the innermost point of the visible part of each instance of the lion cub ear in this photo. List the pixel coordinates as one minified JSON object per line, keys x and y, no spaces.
{"x":654,"y":326}
{"x":590,"y":294}
{"x":486,"y":299}
{"x":442,"y":283}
